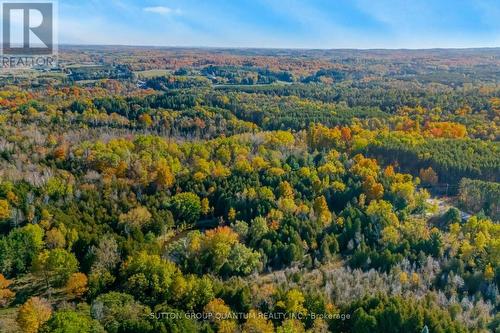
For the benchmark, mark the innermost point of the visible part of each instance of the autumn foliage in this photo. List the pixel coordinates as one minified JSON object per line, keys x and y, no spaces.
{"x":6,"y":295}
{"x":33,"y":314}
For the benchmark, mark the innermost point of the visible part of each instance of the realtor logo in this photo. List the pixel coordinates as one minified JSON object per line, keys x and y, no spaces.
{"x":28,"y":28}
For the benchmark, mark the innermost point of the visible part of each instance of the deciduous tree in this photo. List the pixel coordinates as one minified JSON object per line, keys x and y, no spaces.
{"x":33,"y":314}
{"x":6,"y":295}
{"x":77,"y":285}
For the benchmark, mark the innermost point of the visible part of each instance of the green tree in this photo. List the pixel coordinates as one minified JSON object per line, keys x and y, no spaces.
{"x":69,"y":321}
{"x":115,"y":310}
{"x":242,"y":260}
{"x":149,"y":277}
{"x":20,"y":248}
{"x":186,"y":207}
{"x":56,"y":266}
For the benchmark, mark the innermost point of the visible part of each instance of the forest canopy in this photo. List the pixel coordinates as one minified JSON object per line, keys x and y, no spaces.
{"x":177,"y":190}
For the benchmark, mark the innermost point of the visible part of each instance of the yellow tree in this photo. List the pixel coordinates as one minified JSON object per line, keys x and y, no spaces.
{"x":146,"y":120}
{"x":4,"y":209}
{"x":495,"y":103}
{"x":164,"y":176}
{"x":294,"y":302}
{"x":365,"y":167}
{"x":135,"y":218}
{"x":76,"y":286}
{"x":372,"y":189}
{"x":231,"y":215}
{"x":33,"y":314}
{"x":220,"y":314}
{"x":257,"y":323}
{"x":322,"y":211}
{"x":6,"y":295}
{"x":489,"y":273}
{"x":291,"y":326}
{"x":205,"y":206}
{"x":285,"y":190}
{"x":389,"y":172}
{"x":55,"y":239}
{"x":381,"y":212}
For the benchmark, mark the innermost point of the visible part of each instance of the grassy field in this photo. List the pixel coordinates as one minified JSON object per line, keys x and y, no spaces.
{"x":8,"y":321}
{"x":152,"y":73}
{"x":29,"y":74}
{"x":24,"y":287}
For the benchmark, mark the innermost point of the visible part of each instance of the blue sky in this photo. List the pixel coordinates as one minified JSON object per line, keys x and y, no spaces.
{"x":282,"y":23}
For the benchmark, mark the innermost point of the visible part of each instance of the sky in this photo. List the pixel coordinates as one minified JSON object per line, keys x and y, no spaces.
{"x":321,"y":24}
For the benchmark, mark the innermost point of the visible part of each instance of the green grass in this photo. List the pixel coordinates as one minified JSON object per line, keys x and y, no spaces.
{"x":152,"y":73}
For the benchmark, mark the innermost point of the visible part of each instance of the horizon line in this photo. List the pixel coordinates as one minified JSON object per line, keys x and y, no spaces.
{"x":277,"y":48}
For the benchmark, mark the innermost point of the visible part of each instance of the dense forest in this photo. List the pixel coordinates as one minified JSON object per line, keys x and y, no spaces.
{"x":254,"y":191}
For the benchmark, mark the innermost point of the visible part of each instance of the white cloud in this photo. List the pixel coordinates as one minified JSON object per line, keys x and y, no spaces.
{"x":162,"y":10}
